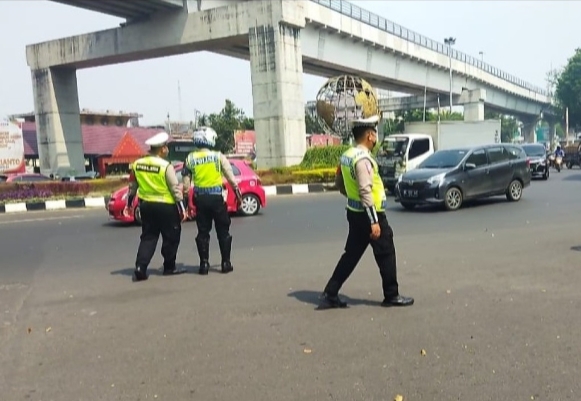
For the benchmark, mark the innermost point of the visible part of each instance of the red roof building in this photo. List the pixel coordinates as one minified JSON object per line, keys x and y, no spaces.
{"x":102,"y":145}
{"x":98,"y":140}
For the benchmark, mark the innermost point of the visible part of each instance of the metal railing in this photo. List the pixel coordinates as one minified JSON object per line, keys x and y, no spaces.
{"x":367,"y":17}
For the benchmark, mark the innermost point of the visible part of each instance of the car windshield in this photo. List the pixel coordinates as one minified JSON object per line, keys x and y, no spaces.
{"x":444,"y":159}
{"x":536,"y":150}
{"x":393,"y":147}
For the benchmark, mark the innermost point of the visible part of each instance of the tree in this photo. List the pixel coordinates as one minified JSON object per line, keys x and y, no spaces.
{"x":568,"y":91}
{"x":225,"y":123}
{"x":312,"y":124}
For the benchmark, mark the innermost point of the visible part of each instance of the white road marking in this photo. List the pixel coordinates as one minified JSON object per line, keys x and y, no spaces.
{"x":77,"y":216}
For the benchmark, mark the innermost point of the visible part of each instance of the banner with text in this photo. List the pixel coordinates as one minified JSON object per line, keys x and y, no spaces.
{"x":11,"y":148}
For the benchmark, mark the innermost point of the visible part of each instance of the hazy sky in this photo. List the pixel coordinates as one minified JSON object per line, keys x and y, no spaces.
{"x":522,"y":37}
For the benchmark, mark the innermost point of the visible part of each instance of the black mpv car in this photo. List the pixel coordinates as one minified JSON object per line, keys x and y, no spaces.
{"x":537,"y":155}
{"x":449,"y":177}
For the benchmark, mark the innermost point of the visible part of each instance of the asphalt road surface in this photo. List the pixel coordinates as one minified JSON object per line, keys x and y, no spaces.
{"x":497,"y":307}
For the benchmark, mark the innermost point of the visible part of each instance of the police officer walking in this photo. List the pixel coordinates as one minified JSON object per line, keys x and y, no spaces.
{"x":161,"y":206}
{"x":358,"y":179}
{"x":204,"y":169}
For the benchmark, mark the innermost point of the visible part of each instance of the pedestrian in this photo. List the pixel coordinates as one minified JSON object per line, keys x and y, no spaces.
{"x":359,"y":181}
{"x":204,"y":169}
{"x":161,"y":206}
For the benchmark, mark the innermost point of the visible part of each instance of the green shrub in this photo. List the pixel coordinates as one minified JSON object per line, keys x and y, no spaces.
{"x":323,"y":156}
{"x":322,"y":175}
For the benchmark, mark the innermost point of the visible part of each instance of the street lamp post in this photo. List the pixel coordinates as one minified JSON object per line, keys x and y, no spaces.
{"x":450,"y":42}
{"x":481,"y":55}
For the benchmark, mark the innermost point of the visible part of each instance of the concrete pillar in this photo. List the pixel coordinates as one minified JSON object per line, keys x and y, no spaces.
{"x":528,"y":131}
{"x":58,"y":123}
{"x":276,"y":67}
{"x":473,"y":102}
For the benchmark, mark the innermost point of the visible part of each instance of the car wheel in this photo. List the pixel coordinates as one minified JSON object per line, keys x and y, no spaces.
{"x":453,"y":199}
{"x":250,"y":205}
{"x":408,"y":206}
{"x":514,"y":191}
{"x":137,"y":215}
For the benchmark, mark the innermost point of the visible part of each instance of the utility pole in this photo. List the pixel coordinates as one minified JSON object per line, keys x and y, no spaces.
{"x":450,"y":42}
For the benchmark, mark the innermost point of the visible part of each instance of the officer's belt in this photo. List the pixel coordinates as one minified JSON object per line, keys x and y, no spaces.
{"x":208,"y":190}
{"x":357,"y":205}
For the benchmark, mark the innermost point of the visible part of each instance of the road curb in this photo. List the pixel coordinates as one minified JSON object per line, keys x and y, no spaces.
{"x":101,"y":202}
{"x":297,"y":189}
{"x":86,"y":203}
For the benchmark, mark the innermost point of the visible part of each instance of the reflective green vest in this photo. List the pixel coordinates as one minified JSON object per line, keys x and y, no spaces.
{"x":150,"y":175}
{"x":348,"y":161}
{"x":206,"y":171}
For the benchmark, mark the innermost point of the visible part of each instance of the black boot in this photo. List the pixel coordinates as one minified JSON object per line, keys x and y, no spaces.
{"x":225,"y":250}
{"x":140,"y":274}
{"x":204,"y":253}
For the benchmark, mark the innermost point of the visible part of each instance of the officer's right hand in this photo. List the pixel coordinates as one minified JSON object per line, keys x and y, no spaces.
{"x":184,"y":216}
{"x":375,"y":231}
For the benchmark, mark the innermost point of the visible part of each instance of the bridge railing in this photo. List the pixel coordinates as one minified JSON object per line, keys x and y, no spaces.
{"x":355,"y":12}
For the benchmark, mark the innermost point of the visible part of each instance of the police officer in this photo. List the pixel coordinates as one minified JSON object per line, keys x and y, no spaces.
{"x":358,"y":179}
{"x":161,"y":206}
{"x":204,"y":169}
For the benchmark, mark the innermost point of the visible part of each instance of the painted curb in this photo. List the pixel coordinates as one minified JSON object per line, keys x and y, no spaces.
{"x":101,"y":202}
{"x":54,"y":205}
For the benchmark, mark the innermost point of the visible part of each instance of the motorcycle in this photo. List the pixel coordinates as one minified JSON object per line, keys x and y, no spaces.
{"x":551,"y":160}
{"x":558,"y":163}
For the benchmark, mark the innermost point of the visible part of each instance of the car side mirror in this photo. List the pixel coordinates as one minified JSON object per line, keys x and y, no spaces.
{"x":469,"y":166}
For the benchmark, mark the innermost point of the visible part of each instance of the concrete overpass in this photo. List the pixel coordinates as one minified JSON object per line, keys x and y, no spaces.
{"x":282,"y":39}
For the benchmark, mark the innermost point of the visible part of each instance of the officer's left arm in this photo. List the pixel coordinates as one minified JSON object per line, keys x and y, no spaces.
{"x":133,"y":186}
{"x":227,"y":171}
{"x":174,"y":187}
{"x":364,"y":176}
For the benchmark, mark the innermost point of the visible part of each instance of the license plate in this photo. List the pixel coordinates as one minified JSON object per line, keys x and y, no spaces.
{"x":410,"y":193}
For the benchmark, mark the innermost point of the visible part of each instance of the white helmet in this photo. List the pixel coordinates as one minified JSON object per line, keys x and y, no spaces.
{"x":205,"y":136}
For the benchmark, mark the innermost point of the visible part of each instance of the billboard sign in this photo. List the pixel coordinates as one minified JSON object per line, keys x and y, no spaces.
{"x":11,"y":148}
{"x":245,"y":143}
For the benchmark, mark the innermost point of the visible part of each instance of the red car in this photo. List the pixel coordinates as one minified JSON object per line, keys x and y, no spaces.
{"x":253,"y":196}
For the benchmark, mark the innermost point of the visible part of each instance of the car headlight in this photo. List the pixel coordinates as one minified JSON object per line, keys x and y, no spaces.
{"x":437,"y":179}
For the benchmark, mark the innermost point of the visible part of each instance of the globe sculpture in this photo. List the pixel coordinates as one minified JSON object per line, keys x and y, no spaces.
{"x":342,"y":99}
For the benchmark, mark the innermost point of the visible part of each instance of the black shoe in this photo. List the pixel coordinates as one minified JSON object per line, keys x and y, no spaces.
{"x":227,"y":267}
{"x":332,"y":301}
{"x":204,"y":254}
{"x":398,"y":300}
{"x":204,"y":267}
{"x":174,"y":271}
{"x":139,"y":274}
{"x":225,"y":251}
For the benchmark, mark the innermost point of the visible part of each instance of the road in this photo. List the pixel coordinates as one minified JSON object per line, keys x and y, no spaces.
{"x":496,"y":288}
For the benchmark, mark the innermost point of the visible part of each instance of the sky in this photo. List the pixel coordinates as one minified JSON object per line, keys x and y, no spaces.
{"x":524,"y":38}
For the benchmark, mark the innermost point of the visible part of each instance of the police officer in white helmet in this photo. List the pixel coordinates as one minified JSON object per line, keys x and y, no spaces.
{"x":161,"y":206}
{"x":204,"y":169}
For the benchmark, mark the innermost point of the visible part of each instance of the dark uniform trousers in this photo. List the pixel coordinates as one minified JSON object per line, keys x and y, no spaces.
{"x":357,"y":242}
{"x":211,"y":208}
{"x":156,"y":219}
